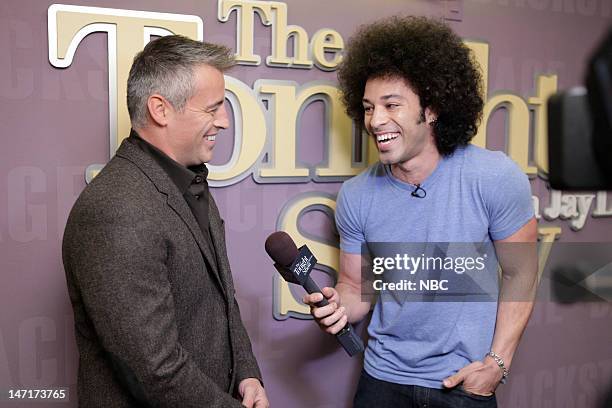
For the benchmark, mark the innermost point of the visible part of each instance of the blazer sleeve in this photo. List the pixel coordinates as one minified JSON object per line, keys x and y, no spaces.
{"x":117,"y":259}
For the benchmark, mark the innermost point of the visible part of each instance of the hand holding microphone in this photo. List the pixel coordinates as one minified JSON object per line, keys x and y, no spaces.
{"x":331,"y":317}
{"x":295,"y":266}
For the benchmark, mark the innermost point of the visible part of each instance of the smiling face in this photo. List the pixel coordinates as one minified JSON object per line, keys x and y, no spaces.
{"x":191,"y":133}
{"x":394,"y":117}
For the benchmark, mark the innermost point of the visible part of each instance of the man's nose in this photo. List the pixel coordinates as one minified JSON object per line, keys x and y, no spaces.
{"x":378,"y":118}
{"x":221,"y":119}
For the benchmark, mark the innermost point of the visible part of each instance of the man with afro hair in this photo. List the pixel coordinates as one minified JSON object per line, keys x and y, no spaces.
{"x":415,"y":87}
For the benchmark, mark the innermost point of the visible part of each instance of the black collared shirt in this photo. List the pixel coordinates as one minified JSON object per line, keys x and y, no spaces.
{"x":191,"y":182}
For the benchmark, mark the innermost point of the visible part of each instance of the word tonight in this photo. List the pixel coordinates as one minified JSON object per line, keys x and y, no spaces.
{"x":413,"y":264}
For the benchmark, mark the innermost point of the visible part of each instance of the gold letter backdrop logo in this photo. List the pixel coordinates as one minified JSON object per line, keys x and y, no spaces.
{"x":271,"y":112}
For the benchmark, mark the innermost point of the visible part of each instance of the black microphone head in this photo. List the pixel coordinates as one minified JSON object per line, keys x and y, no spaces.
{"x":281,"y":248}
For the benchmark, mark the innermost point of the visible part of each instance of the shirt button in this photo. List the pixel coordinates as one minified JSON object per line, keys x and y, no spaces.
{"x":197,"y":196}
{"x":198,"y":179}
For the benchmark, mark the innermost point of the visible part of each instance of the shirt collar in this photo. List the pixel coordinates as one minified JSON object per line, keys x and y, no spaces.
{"x":180,"y":175}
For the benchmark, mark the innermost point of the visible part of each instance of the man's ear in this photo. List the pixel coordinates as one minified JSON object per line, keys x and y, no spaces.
{"x":159,"y":109}
{"x":430,"y":116}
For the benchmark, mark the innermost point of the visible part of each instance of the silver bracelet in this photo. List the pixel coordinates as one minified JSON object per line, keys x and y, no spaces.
{"x":500,"y":363}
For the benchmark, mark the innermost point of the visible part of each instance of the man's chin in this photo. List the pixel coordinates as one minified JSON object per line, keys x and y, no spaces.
{"x":386,"y":159}
{"x":205,"y":158}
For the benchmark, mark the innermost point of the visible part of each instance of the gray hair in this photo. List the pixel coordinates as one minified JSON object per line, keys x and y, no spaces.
{"x":166,"y":66}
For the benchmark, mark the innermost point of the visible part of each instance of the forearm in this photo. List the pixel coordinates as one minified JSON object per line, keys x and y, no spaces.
{"x":512,"y":318}
{"x":518,"y":258}
{"x":357,"y":305}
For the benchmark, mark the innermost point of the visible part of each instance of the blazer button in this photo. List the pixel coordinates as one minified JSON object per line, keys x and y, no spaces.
{"x":231,"y":372}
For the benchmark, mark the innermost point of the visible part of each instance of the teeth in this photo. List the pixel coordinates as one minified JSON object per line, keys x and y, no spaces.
{"x":211,"y":138}
{"x":386,"y":136}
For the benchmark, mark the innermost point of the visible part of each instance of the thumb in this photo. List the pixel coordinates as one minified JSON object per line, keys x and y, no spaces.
{"x":454,"y":380}
{"x":458,"y":378}
{"x":328,"y":292}
{"x":312,"y":298}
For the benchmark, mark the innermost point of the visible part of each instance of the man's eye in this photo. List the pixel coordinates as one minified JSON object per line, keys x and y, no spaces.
{"x":392,"y":105}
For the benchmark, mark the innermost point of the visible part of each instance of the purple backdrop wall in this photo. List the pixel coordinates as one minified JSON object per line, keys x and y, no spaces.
{"x":55,"y":123}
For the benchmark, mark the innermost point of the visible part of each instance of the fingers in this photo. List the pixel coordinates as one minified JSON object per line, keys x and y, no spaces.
{"x":339,"y":324}
{"x":331,"y":317}
{"x":262,"y":401}
{"x":249,"y":397}
{"x":477,"y":392}
{"x":330,"y":320}
{"x":253,"y":394}
{"x":320,"y":313}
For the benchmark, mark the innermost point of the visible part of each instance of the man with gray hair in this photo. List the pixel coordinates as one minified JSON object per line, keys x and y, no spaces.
{"x":156,"y":320}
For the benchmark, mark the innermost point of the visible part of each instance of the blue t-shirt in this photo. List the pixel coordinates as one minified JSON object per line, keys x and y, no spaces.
{"x":474,"y":195}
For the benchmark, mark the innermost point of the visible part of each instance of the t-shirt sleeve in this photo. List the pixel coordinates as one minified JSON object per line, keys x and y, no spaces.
{"x":509,"y":202}
{"x":347,"y":221}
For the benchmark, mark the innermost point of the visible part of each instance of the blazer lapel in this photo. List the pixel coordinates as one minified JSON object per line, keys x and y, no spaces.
{"x":179,"y":205}
{"x":175,"y":201}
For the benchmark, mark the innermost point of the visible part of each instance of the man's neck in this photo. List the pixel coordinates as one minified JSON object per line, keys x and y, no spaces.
{"x":156,"y":139}
{"x":417,"y":169}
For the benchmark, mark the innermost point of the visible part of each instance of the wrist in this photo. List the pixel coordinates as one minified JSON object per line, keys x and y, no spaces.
{"x":500,"y":363}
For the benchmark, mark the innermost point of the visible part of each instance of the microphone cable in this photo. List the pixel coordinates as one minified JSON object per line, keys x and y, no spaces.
{"x":419,"y":192}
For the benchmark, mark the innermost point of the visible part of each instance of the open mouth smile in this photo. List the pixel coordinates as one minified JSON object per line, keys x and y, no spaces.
{"x":383,"y":139}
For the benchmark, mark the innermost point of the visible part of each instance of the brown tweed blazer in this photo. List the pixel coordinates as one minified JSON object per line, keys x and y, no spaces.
{"x":156,"y":321}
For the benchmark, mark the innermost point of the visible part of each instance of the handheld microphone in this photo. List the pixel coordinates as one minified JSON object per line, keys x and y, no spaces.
{"x":295,"y":266}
